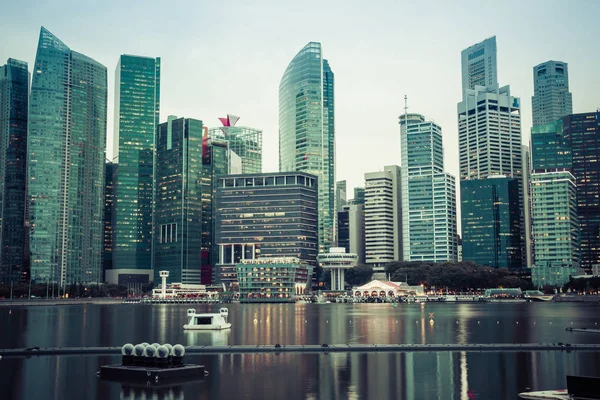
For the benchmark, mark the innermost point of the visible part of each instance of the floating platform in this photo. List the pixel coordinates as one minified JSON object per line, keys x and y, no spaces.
{"x":546,"y":395}
{"x":151,"y":375}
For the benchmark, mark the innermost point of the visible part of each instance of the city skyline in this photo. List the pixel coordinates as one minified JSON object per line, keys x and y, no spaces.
{"x":368,"y":94}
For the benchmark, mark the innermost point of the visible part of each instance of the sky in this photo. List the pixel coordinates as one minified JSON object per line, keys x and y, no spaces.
{"x":220,"y":57}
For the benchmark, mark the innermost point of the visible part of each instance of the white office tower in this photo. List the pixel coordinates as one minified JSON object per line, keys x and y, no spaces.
{"x":551,"y":98}
{"x":429,"y":219}
{"x":383,"y":218}
{"x":479,"y":67}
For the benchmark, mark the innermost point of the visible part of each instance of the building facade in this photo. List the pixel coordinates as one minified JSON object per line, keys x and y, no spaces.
{"x":551,"y":98}
{"x":582,"y":131}
{"x":66,"y":146}
{"x":244,"y":141}
{"x":383,"y":217}
{"x":265,"y":215}
{"x":337,"y":260}
{"x":555,"y":228}
{"x":109,"y":206}
{"x":178,"y":208}
{"x":490,"y":222}
{"x":429,"y":218}
{"x":137,"y":106}
{"x":306,"y":129}
{"x":14,"y":102}
{"x":351,"y":230}
{"x":479,"y":65}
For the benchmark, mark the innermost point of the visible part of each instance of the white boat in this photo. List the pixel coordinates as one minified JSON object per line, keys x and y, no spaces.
{"x":208,"y":321}
{"x":546,"y":394}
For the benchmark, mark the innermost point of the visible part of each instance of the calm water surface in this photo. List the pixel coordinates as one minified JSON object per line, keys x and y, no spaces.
{"x":441,"y":375}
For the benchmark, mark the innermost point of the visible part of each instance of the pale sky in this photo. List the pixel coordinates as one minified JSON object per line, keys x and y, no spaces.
{"x":222,"y":57}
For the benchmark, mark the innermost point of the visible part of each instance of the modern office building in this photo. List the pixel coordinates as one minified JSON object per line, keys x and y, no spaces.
{"x":178,"y":208}
{"x":137,"y":105}
{"x":66,"y":146}
{"x":479,"y":65}
{"x":429,"y":218}
{"x":583,"y":133}
{"x":555,"y":228}
{"x":273,"y":279}
{"x":351,"y":230}
{"x":265,"y":215}
{"x":337,"y":260}
{"x":383,"y":218}
{"x":306,"y":130}
{"x":216,"y":160}
{"x":550,"y":149}
{"x":14,"y":101}
{"x":551,"y":98}
{"x":109,"y":205}
{"x":359,"y":196}
{"x":490,"y":222}
{"x":527,"y":246}
{"x":341,"y":199}
{"x":244,"y":141}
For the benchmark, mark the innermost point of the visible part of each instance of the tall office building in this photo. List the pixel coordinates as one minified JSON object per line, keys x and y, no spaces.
{"x":359,"y":196}
{"x":178,"y":209}
{"x":479,"y":65}
{"x":137,"y":105}
{"x":555,"y":228}
{"x":429,"y":215}
{"x":215,"y":163}
{"x":582,"y":131}
{"x":490,"y":222}
{"x":383,"y":218}
{"x":306,"y":130}
{"x":551,"y":98}
{"x":341,"y":198}
{"x":351,"y":230}
{"x":109,"y":206}
{"x":265,"y":215}
{"x":244,"y":141}
{"x":66,"y":146}
{"x":14,"y":100}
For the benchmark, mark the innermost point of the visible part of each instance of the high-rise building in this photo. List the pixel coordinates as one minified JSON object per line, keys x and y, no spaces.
{"x":265,"y":215}
{"x":244,"y":141}
{"x":551,"y":98}
{"x":306,"y":130}
{"x":178,"y":208}
{"x":66,"y":146}
{"x":555,"y":228}
{"x":14,"y":100}
{"x":109,"y":206}
{"x":137,"y":105}
{"x":582,"y":131}
{"x":383,"y":218}
{"x":215,"y":163}
{"x":479,"y":65}
{"x":429,"y":225}
{"x":359,"y":196}
{"x":341,"y":198}
{"x":490,"y":222}
{"x":351,"y":230}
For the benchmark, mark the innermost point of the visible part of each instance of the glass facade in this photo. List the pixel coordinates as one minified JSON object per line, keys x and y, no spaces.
{"x":215,"y":163}
{"x":265,"y":215}
{"x":490,"y":227}
{"x":14,"y":99}
{"x":178,"y":208}
{"x":550,"y":149}
{"x":429,"y":216}
{"x":66,"y":146}
{"x":551,"y":98}
{"x":109,"y":204}
{"x":306,"y":129}
{"x":137,"y":106}
{"x":272,"y":279}
{"x":583,"y":133}
{"x":479,"y":66}
{"x":245,"y":142}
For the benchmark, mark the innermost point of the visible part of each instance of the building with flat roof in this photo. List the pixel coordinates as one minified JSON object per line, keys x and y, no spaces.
{"x":479,"y":65}
{"x":551,"y":98}
{"x":265,"y":215}
{"x":351,"y":230}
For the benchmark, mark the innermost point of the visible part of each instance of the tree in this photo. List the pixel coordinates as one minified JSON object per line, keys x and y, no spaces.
{"x":358,"y":275}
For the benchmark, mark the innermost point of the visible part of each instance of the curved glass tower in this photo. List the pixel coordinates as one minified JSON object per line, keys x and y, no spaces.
{"x":306,"y":129}
{"x":66,"y":145}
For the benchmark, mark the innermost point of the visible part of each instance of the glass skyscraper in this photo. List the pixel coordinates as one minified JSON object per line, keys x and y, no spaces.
{"x":306,"y":129}
{"x":429,"y":222}
{"x":178,"y":209}
{"x":551,"y":98}
{"x":66,"y":146}
{"x":14,"y":100}
{"x":479,"y":65}
{"x":137,"y":106}
{"x":244,"y":141}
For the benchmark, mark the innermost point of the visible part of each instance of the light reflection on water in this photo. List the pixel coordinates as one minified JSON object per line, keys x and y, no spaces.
{"x":436,"y":375}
